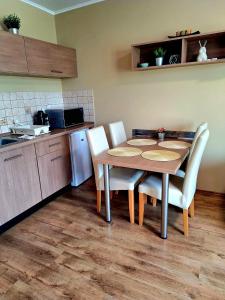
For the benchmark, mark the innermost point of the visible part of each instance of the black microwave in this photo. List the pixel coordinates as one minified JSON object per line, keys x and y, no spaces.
{"x":64,"y":118}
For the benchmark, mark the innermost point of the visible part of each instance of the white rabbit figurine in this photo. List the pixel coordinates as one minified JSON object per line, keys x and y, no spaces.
{"x":202,"y":56}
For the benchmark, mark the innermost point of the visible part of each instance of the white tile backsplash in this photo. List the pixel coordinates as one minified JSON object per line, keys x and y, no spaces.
{"x":81,"y":98}
{"x":19,"y":107}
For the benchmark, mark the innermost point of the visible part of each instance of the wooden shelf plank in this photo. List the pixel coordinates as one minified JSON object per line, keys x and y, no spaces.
{"x":195,"y":63}
{"x":195,"y":36}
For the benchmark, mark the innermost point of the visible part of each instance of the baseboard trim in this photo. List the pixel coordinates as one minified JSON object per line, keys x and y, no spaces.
{"x":210,"y":193}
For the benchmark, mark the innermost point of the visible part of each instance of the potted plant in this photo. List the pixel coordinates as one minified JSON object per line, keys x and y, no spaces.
{"x":159,"y":55}
{"x":12,"y":22}
{"x":161,"y":133}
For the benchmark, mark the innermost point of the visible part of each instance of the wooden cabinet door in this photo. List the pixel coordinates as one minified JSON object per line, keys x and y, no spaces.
{"x":63,"y":61}
{"x":49,"y":60}
{"x":19,"y":182}
{"x":55,"y":172}
{"x":12,"y":54}
{"x":38,"y":57}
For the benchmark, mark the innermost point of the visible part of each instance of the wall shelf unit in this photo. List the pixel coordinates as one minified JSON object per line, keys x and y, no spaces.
{"x":187,"y":47}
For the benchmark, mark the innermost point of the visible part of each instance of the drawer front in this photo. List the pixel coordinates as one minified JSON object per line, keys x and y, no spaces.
{"x":52,"y":145}
{"x":12,"y":155}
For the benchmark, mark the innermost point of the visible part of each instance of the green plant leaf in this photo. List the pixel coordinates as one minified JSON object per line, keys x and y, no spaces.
{"x":159,"y":52}
{"x":12,"y":21}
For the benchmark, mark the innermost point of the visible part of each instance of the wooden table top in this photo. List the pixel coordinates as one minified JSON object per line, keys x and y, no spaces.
{"x":140,"y":163}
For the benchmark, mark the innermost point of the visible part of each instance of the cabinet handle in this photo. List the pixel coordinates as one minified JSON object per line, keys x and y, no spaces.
{"x":13,"y":157}
{"x":55,"y":158}
{"x":56,"y":71}
{"x":55,"y":144}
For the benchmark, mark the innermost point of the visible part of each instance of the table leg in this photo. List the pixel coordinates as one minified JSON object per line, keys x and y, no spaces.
{"x":164,"y":208}
{"x":107,"y":192}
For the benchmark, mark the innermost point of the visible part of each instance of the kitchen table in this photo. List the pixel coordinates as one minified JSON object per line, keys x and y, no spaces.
{"x":166,"y":168}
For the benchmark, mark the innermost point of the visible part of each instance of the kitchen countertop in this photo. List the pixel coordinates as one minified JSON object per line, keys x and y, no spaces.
{"x":53,"y":134}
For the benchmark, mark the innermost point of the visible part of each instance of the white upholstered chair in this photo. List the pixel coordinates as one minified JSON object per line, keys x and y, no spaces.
{"x":117,"y":133}
{"x":120,"y":178}
{"x":200,"y":129}
{"x":181,"y":190}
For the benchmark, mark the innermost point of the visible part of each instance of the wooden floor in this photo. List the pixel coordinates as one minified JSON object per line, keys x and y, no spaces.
{"x":65,"y":251}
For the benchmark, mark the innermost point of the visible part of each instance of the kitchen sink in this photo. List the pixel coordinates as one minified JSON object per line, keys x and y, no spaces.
{"x":7,"y":140}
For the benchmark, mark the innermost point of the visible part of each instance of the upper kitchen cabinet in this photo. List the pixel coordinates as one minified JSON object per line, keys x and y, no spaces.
{"x":30,"y":57}
{"x":12,"y":54}
{"x":50,"y":60}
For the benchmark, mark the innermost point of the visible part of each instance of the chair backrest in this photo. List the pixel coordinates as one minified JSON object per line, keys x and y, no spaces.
{"x":117,"y":133}
{"x":191,"y":174}
{"x":199,"y":130}
{"x":98,"y":143}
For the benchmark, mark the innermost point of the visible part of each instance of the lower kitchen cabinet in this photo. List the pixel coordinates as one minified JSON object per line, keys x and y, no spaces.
{"x":32,"y":172}
{"x":54,"y":171}
{"x":19,"y":182}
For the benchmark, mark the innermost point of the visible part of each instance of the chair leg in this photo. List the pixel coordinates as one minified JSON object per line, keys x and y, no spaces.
{"x":154,"y":201}
{"x":131,"y":205}
{"x":185,"y":220}
{"x":142,"y":201}
{"x":192,"y":209}
{"x":99,"y":195}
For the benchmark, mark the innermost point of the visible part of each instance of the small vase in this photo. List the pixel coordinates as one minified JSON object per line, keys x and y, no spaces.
{"x":161,"y":135}
{"x":159,"y":61}
{"x":14,"y":30}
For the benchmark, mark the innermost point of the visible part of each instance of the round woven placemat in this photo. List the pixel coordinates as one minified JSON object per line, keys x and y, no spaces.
{"x":125,"y":151}
{"x":160,"y":155}
{"x":141,"y":142}
{"x":174,"y":144}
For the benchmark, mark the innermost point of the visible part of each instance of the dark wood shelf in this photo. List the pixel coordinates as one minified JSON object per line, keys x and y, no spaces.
{"x":187,"y":47}
{"x":218,"y":61}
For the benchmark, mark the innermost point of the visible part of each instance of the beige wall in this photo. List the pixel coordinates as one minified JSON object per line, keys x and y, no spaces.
{"x":36,"y":24}
{"x":177,"y":98}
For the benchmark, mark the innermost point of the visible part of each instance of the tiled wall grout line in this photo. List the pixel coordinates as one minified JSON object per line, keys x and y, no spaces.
{"x":19,"y":107}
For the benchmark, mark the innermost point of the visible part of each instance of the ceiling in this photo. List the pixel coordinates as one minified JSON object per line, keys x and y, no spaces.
{"x":59,"y":6}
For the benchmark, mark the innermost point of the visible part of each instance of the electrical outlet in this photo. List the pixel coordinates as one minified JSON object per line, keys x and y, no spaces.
{"x":3,"y":121}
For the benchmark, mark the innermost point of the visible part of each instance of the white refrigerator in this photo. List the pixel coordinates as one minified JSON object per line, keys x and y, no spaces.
{"x":80,"y":157}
